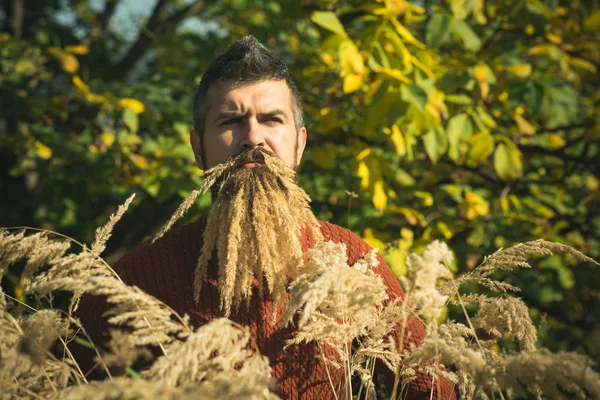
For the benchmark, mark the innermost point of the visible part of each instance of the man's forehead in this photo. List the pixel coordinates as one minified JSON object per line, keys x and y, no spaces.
{"x":226,"y":96}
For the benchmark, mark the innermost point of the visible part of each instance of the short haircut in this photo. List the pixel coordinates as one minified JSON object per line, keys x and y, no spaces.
{"x":244,"y":62}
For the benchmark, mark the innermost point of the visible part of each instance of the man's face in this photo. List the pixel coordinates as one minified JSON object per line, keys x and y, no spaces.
{"x":255,"y":115}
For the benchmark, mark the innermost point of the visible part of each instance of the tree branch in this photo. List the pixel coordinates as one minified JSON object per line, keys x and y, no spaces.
{"x":17,"y":18}
{"x":101,"y":22}
{"x":158,"y":23}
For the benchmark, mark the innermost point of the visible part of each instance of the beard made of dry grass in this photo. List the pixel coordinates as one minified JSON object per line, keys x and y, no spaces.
{"x":254,"y":227}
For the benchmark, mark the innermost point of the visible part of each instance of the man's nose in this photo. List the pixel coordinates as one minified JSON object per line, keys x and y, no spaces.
{"x":253,"y":135}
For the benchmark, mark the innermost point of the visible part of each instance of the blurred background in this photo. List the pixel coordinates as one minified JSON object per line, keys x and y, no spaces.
{"x":466,"y":121}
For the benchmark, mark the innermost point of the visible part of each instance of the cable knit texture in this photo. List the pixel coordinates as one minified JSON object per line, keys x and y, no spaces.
{"x":165,"y":270}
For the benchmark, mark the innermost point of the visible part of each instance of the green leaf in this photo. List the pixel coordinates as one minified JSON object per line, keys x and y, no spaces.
{"x":459,"y":130}
{"x":436,"y":144}
{"x":404,"y":178}
{"x":507,"y":161}
{"x":131,"y":119}
{"x":537,"y":7}
{"x":483,"y":146}
{"x":469,"y":38}
{"x":412,"y":93}
{"x":329,"y":21}
{"x":458,"y":99}
{"x":438,"y":29}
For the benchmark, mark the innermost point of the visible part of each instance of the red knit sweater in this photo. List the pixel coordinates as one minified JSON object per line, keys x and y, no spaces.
{"x":165,"y":270}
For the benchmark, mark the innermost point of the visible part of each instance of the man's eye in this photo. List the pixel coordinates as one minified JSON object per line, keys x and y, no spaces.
{"x":231,"y":121}
{"x":274,"y":120}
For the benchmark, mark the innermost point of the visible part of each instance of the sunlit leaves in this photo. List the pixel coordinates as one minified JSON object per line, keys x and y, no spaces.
{"x":436,"y":144}
{"x":329,"y":21}
{"x":469,"y":38}
{"x":135,"y":105}
{"x":508,"y":161}
{"x":130,"y":119}
{"x":67,"y":60}
{"x":42,"y":151}
{"x":459,"y":131}
{"x":438,"y":30}
{"x":414,"y":94}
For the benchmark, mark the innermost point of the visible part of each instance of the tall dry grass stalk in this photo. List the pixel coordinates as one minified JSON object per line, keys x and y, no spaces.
{"x":344,"y":308}
{"x":334,"y":306}
{"x":29,"y":370}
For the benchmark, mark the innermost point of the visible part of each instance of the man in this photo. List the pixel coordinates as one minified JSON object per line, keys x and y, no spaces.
{"x":238,"y":260}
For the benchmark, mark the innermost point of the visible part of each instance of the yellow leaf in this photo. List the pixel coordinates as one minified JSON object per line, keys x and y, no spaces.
{"x":529,"y":30}
{"x":364,"y":175}
{"x":423,"y":67}
{"x":108,"y":138}
{"x":520,"y":71}
{"x":379,"y":196}
{"x":504,"y":204}
{"x":68,"y":61}
{"x":44,"y":152}
{"x":136,"y":105}
{"x":480,"y":73}
{"x":352,"y":83}
{"x":370,"y":238}
{"x":582,"y":64}
{"x":553,"y":38}
{"x":474,"y":205}
{"x":391,"y":73}
{"x":79,"y":49}
{"x":372,"y":91}
{"x":139,"y":161}
{"x":405,"y":34}
{"x":95,"y":98}
{"x":556,"y":141}
{"x":350,"y":59}
{"x":483,"y":75}
{"x":524,"y":126}
{"x":81,"y":85}
{"x":592,"y":23}
{"x":444,"y":230}
{"x":425,"y":197}
{"x":363,"y":154}
{"x":398,"y":140}
{"x":548,"y":49}
{"x":413,"y":217}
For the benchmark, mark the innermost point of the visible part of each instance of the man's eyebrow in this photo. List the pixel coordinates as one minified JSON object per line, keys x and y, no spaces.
{"x":273,"y":113}
{"x":230,"y":114}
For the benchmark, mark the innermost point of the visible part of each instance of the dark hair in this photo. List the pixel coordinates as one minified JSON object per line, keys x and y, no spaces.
{"x":245,"y":61}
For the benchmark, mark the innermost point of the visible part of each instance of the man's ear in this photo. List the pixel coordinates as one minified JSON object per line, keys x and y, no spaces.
{"x":301,"y":144}
{"x":197,"y":148}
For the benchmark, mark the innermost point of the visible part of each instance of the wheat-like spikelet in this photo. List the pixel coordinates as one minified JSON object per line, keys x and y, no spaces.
{"x":149,"y":318}
{"x":24,"y":367}
{"x":135,"y":389}
{"x":507,"y":317}
{"x":420,"y":283}
{"x":507,"y":260}
{"x":210,"y":177}
{"x":560,"y":375}
{"x":123,"y":351}
{"x":336,"y":290}
{"x":103,"y":233}
{"x":217,"y":350}
{"x":450,"y":352}
{"x":36,"y":248}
